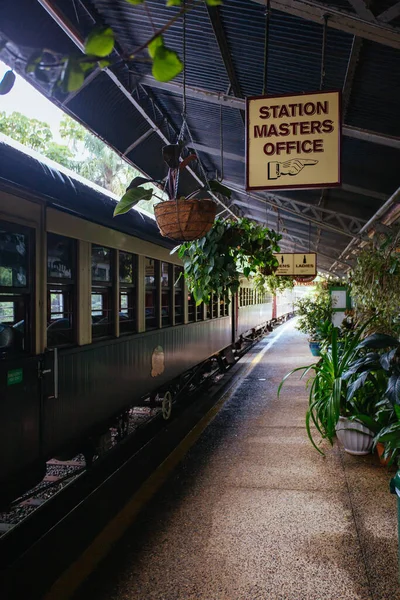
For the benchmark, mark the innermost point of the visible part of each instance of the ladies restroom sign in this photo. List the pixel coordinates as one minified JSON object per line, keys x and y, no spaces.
{"x":296,"y":264}
{"x":293,"y":141}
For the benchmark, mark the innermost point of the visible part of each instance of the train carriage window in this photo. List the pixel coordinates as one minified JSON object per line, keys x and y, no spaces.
{"x":16,"y":267}
{"x":127,"y":292}
{"x":151,"y":293}
{"x":215,"y":302}
{"x":191,"y":308}
{"x":200,"y":312}
{"x":102,"y":292}
{"x":224,"y":306}
{"x":61,"y":253}
{"x":166,"y":294}
{"x":179,"y":292}
{"x":208,"y":308}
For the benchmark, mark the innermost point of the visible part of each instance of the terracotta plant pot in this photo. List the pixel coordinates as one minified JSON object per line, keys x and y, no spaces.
{"x":185,"y":220}
{"x":355,"y":437}
{"x":380,"y":448}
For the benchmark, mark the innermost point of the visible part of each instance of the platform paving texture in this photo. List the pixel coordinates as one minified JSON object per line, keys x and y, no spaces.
{"x":254,"y":513}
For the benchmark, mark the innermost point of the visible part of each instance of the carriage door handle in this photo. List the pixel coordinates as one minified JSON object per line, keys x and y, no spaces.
{"x":55,"y":371}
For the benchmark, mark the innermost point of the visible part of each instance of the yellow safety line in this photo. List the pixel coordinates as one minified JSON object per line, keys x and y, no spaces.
{"x":70,"y":580}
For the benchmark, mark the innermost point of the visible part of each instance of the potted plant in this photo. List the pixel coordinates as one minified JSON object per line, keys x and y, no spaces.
{"x":215,"y":263}
{"x":314,"y":312}
{"x":382,"y":370}
{"x":179,"y":218}
{"x":327,"y":392}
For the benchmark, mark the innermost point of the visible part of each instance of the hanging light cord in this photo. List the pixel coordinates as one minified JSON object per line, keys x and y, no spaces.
{"x":322,"y":77}
{"x":266,"y":44}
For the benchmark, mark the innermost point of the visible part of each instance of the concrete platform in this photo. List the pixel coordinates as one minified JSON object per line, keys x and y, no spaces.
{"x":254,"y":513}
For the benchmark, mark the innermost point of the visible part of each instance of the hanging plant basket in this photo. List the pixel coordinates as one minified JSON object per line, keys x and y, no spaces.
{"x":185,"y":220}
{"x":268,"y":270}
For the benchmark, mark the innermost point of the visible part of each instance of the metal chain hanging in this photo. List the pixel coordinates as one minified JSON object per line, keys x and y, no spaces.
{"x":183,"y":127}
{"x":322,"y":76}
{"x":221,"y":141}
{"x":266,"y":44}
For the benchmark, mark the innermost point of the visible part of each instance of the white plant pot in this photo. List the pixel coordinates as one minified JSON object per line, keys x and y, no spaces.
{"x":355,"y":437}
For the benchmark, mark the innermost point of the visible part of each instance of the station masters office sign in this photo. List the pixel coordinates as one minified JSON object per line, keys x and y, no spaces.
{"x":293,"y":141}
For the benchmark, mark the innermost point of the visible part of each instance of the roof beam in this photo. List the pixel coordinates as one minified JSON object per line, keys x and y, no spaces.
{"x":389,"y":14}
{"x":214,"y":13}
{"x":300,"y":217}
{"x":371,"y":136}
{"x":240,"y":103}
{"x":286,"y":204}
{"x":361,"y":8}
{"x":394,"y":198}
{"x":312,"y":10}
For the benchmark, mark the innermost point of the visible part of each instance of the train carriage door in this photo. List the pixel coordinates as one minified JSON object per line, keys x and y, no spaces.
{"x":20,"y":396}
{"x":235,"y":315}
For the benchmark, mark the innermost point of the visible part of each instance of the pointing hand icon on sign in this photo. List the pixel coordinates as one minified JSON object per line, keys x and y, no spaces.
{"x":289,"y":167}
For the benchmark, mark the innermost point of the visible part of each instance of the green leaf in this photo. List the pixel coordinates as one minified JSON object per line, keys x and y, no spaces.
{"x":175,"y":249}
{"x":378,"y":340}
{"x":166,"y":64}
{"x":214,"y":2}
{"x":216,"y":186}
{"x":100,"y":42}
{"x":104,"y":63}
{"x":174,"y":2}
{"x":73,"y":77}
{"x":136,"y":181}
{"x":33,"y":61}
{"x":134,"y":2}
{"x":152,"y":48}
{"x":7,"y":83}
{"x":131,"y":198}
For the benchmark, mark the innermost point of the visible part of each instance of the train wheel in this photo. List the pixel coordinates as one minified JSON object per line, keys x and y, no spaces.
{"x":167,"y":406}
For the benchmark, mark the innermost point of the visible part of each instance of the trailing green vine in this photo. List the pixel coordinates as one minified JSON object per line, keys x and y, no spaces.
{"x":274,"y":283}
{"x":231,"y":248}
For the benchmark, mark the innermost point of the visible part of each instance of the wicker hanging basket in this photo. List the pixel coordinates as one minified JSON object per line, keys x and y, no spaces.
{"x":185,"y":220}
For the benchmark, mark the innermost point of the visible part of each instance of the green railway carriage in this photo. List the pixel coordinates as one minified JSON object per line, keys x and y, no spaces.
{"x":94,"y":315}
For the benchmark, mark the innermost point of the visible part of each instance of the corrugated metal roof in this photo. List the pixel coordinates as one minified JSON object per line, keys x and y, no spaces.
{"x":294,"y":65}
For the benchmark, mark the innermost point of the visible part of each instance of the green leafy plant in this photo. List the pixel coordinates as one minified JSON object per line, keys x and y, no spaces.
{"x":274,"y":283}
{"x":215,"y":263}
{"x":313,"y":311}
{"x":328,"y":387}
{"x":375,"y":284}
{"x":390,"y":437}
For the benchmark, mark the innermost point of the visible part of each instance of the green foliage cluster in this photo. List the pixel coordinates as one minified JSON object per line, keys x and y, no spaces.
{"x":68,"y":72}
{"x":215,"y":263}
{"x":313,"y":312}
{"x":83,"y":152}
{"x":375,"y":285}
{"x":274,"y":283}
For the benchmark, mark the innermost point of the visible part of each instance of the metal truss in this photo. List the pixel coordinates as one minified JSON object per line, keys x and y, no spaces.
{"x":325,"y":218}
